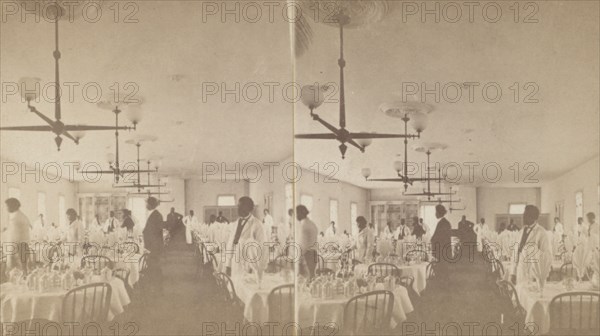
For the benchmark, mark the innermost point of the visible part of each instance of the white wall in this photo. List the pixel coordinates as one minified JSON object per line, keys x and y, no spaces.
{"x":199,"y":194}
{"x":322,"y":192}
{"x":495,"y":200}
{"x":583,"y":178}
{"x":175,"y":186}
{"x":29,"y":186}
{"x":466,"y":194}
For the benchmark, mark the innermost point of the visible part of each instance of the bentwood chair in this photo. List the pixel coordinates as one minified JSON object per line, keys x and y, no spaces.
{"x":575,"y":313}
{"x":281,"y":304}
{"x":130,"y":247}
{"x":123,"y":274}
{"x":567,"y":271}
{"x":419,"y":255}
{"x":430,"y":270}
{"x":369,"y":313}
{"x":321,"y":269}
{"x":96,"y":262}
{"x":511,"y":307}
{"x":383,"y":270}
{"x":229,"y":296}
{"x":88,"y":303}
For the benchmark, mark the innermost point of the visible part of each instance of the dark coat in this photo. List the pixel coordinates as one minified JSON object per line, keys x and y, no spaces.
{"x":153,"y":233}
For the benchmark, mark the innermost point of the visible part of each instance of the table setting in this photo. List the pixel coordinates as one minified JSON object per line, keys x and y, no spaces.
{"x":39,"y":295}
{"x":323,"y":299}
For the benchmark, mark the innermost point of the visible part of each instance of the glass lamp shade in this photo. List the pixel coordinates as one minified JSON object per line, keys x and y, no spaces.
{"x":398,"y":165}
{"x":312,"y":96}
{"x":29,"y":88}
{"x":364,"y":142}
{"x":418,"y":121}
{"x":366,"y":172}
{"x":110,"y":158}
{"x":78,"y":134}
{"x":134,"y":113}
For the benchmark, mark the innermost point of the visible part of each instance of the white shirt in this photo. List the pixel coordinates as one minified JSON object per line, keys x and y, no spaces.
{"x":268,"y":223}
{"x":75,"y":232}
{"x":190,"y":221}
{"x":364,"y":245}
{"x":537,"y":243}
{"x":109,"y":221}
{"x":253,"y":231}
{"x":329,"y":232}
{"x":18,"y":228}
{"x":558,"y":229}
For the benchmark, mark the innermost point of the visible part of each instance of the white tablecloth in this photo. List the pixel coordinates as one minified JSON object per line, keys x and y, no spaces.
{"x":418,"y":272}
{"x":314,"y":312}
{"x":20,"y":304}
{"x":255,"y":299}
{"x":126,"y":261}
{"x":537,"y":306}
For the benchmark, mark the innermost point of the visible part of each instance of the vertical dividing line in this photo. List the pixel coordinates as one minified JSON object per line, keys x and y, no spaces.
{"x":292,"y":35}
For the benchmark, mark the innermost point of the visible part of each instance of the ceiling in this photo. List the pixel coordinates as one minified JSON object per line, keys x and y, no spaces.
{"x":173,"y":55}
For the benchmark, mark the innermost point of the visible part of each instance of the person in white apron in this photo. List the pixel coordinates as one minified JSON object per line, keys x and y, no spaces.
{"x":190,"y":222}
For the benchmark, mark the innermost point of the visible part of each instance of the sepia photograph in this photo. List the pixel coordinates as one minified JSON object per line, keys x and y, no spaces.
{"x":299,"y":167}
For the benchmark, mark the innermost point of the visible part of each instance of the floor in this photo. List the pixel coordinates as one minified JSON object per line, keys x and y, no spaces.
{"x":189,"y":304}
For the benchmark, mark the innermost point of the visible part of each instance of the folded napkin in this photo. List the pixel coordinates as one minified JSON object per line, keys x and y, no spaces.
{"x":582,"y":257}
{"x":385,"y":247}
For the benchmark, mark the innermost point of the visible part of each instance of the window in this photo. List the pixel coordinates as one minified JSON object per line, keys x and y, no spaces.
{"x":226,"y":200}
{"x":353,"y":215}
{"x":62,"y":217}
{"x":333,"y":211}
{"x":516,"y":208}
{"x":137,"y":205}
{"x":428,"y":215}
{"x":578,"y":205}
{"x":307,"y":201}
{"x":41,"y":204}
{"x":289,"y":197}
{"x":14,"y":193}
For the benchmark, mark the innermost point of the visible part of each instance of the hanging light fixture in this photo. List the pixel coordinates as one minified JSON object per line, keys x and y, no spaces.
{"x":313,"y":96}
{"x":56,"y":126}
{"x":116,"y":167}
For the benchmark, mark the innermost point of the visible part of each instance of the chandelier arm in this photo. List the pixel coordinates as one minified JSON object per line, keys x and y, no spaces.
{"x":353,"y":143}
{"x":95,"y":128}
{"x":68,"y":135}
{"x":42,"y":128}
{"x":42,"y":116}
{"x":326,"y":124}
{"x":378,"y":135}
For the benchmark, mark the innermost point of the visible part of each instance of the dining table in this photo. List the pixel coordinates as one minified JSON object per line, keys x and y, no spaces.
{"x":536,"y":303}
{"x":330,"y":311}
{"x":418,"y":271}
{"x":255,"y":295}
{"x":19,"y":303}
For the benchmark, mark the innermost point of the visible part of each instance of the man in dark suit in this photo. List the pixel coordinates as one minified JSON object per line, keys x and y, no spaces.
{"x":153,"y":242}
{"x":441,"y":238}
{"x":174,"y":221}
{"x":153,"y":232}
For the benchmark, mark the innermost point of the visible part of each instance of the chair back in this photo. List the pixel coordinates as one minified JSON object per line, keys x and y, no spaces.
{"x":417,"y":255}
{"x":430,"y":270}
{"x":511,"y":303}
{"x":383,"y":269}
{"x":497,"y":268}
{"x":96,"y":262}
{"x":88,"y":303}
{"x":123,"y":274}
{"x":226,"y":286}
{"x":281,"y":304}
{"x":575,"y":313}
{"x":130,"y":247}
{"x":369,"y":313}
{"x":567,"y":271}
{"x":143,"y":263}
